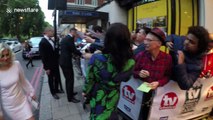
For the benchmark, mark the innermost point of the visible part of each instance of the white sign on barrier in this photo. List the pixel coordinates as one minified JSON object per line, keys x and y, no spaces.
{"x":130,"y":98}
{"x":172,"y":103}
{"x":169,"y":102}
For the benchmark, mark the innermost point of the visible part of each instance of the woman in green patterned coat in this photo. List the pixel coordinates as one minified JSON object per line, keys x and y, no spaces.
{"x":106,"y":71}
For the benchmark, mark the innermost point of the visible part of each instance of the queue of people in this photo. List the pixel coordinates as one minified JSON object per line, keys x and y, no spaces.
{"x":115,"y":63}
{"x":183,"y":64}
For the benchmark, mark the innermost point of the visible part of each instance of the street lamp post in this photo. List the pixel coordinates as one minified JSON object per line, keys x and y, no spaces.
{"x":54,"y":21}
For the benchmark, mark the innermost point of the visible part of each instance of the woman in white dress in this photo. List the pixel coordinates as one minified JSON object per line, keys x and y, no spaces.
{"x":14,"y":88}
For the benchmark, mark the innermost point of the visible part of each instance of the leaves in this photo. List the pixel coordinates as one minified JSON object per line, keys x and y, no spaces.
{"x":19,"y":24}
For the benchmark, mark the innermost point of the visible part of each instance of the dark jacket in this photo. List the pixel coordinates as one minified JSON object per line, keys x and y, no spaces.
{"x":186,"y":74}
{"x":28,"y":48}
{"x":97,"y":45}
{"x":139,"y":49}
{"x":48,"y":54}
{"x":67,"y":49}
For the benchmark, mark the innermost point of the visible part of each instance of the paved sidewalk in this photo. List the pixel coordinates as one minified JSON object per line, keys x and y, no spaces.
{"x":52,"y":109}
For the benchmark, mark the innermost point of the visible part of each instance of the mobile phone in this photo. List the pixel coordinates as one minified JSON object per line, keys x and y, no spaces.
{"x":34,"y":103}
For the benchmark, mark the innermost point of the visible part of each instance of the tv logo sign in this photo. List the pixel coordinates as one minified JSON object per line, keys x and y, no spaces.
{"x":128,"y":93}
{"x":209,"y":93}
{"x":192,"y":99}
{"x":169,"y":101}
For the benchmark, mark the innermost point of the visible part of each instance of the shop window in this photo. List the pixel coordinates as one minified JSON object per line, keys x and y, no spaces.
{"x":80,"y":2}
{"x":95,"y":2}
{"x":186,"y":16}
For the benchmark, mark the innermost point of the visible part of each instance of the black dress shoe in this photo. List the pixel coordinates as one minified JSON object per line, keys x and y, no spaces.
{"x":60,"y":91}
{"x":74,"y":100}
{"x":75,"y":93}
{"x":55,"y":96}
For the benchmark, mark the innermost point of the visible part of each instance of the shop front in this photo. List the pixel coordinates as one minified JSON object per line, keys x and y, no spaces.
{"x":172,"y":16}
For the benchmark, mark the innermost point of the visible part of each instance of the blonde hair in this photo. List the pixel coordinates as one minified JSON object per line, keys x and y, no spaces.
{"x":4,"y":46}
{"x":48,"y":29}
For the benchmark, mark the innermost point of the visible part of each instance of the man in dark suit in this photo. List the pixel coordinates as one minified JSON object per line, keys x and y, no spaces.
{"x":49,"y":58}
{"x":67,"y":49}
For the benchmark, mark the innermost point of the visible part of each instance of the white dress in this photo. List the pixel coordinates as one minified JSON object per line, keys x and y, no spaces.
{"x":14,"y":89}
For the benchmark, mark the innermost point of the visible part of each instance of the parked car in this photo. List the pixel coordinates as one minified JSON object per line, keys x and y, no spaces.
{"x":14,"y":45}
{"x":12,"y":39}
{"x":34,"y":42}
{"x":2,"y":40}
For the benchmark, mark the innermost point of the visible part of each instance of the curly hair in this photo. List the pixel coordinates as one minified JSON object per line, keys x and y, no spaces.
{"x":203,"y":36}
{"x":4,"y":46}
{"x":117,"y":43}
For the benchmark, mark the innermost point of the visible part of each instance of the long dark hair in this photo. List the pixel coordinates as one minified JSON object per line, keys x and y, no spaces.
{"x":117,"y":43}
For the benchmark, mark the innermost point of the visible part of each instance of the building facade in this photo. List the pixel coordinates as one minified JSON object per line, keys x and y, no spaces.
{"x":173,"y":16}
{"x":116,"y":13}
{"x":81,"y":14}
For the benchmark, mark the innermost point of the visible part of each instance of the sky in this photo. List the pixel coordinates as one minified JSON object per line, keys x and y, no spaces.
{"x":47,"y":13}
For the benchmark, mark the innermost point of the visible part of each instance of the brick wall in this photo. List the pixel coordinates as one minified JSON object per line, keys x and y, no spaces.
{"x":71,"y":1}
{"x":100,"y":2}
{"x":88,"y":1}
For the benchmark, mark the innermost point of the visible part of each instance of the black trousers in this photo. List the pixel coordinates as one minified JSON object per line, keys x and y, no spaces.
{"x":60,"y":84}
{"x":69,"y":79}
{"x":30,"y":61}
{"x":54,"y":79}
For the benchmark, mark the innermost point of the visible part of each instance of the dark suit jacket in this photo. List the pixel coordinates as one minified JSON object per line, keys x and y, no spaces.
{"x":67,"y":49}
{"x":48,"y":54}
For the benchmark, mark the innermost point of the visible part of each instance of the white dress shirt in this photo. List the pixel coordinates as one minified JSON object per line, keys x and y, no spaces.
{"x":50,"y":41}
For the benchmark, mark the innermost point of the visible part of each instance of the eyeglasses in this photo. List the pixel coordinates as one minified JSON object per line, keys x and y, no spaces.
{"x":142,"y":32}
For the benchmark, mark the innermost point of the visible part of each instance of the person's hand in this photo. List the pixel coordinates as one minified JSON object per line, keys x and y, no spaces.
{"x":48,"y":72}
{"x":87,"y":55}
{"x":134,"y":47}
{"x":89,"y":39}
{"x":83,"y":94}
{"x":33,"y":97}
{"x":181,"y":57}
{"x":206,"y":74}
{"x":169,"y":45}
{"x":97,"y":51}
{"x":153,"y":85}
{"x":209,"y":74}
{"x":144,"y":73}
